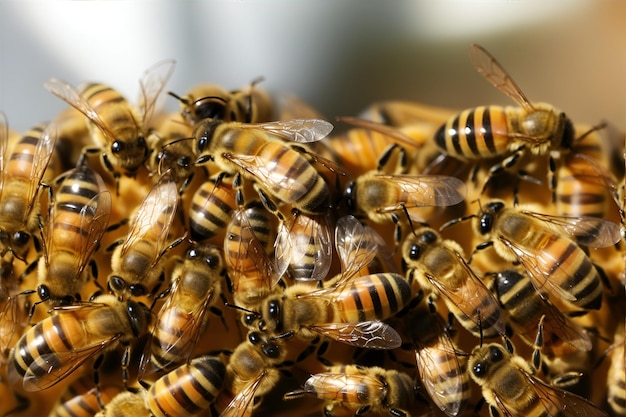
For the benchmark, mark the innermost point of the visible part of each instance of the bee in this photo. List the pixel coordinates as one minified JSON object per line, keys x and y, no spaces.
{"x":525,"y":307}
{"x":303,"y":246}
{"x":80,"y":398}
{"x":211,"y":101}
{"x":511,"y":389}
{"x":172,"y":150}
{"x":362,"y":389}
{"x":196,"y":283}
{"x":436,"y":265}
{"x":247,"y":249}
{"x":77,"y":221}
{"x":554,"y":263}
{"x":487,"y":132}
{"x":211,"y":209}
{"x":380,"y":196}
{"x":279,"y":170}
{"x":114,"y":123}
{"x":137,"y":263}
{"x":188,"y":389}
{"x":59,"y":344}
{"x":348,"y":310}
{"x":21,"y":174}
{"x":441,"y":365}
{"x":252,"y":371}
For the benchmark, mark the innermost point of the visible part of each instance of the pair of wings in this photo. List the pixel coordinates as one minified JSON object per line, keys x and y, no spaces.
{"x":539,"y":264}
{"x":151,"y":85}
{"x":154,"y":217}
{"x":60,"y":364}
{"x":553,"y":401}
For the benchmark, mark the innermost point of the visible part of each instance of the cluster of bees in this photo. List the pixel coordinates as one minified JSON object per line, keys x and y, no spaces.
{"x":239,"y":258}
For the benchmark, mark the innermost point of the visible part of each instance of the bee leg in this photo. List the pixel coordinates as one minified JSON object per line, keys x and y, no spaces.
{"x":96,"y":379}
{"x":125,"y":363}
{"x":479,"y":247}
{"x":506,"y":164}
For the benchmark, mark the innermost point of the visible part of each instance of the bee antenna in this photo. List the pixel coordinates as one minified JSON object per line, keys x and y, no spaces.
{"x":602,"y":125}
{"x":179,"y":98}
{"x":235,"y":306}
{"x":455,"y":221}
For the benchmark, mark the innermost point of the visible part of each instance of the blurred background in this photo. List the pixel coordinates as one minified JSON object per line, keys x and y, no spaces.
{"x":339,"y":56}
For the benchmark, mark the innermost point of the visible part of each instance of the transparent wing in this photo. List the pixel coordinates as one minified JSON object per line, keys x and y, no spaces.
{"x":562,"y":326}
{"x":267,"y":174}
{"x":357,"y":246}
{"x":59,"y":365}
{"x":441,"y":374}
{"x":241,"y":404}
{"x":585,"y":230}
{"x":246,"y":244}
{"x":472,"y":298}
{"x":368,"y":334}
{"x":72,"y":96}
{"x":299,"y":130}
{"x":304,"y":239}
{"x":540,"y":267}
{"x":425,"y":190}
{"x":558,"y":402}
{"x":151,"y":85}
{"x":154,"y":217}
{"x":41,"y":157}
{"x":492,"y":71}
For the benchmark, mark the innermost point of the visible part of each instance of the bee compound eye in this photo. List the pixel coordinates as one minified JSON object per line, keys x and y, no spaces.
{"x":414,"y":252}
{"x":117,"y":146}
{"x":116,"y":283}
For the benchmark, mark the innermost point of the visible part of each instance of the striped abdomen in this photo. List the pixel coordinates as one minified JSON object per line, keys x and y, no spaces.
{"x":477,"y":133}
{"x":570,"y":269}
{"x":188,"y":389}
{"x":371,"y":297}
{"x":211,"y":209}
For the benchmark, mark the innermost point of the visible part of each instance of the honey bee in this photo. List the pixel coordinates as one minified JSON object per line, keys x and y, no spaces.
{"x":380,"y":196}
{"x":252,"y":371}
{"x":278,"y":170}
{"x":21,"y":174}
{"x":211,"y":101}
{"x":137,"y":263}
{"x":437,"y":266}
{"x":59,"y":344}
{"x":80,"y":398}
{"x":362,"y":389}
{"x":77,"y":221}
{"x":247,"y":249}
{"x":525,"y":307}
{"x":172,"y":150}
{"x":348,"y":310}
{"x":188,"y":389}
{"x":303,"y":247}
{"x":504,"y":132}
{"x":211,"y":209}
{"x":511,"y":389}
{"x":441,"y":365}
{"x":554,"y":263}
{"x":196,"y":283}
{"x":116,"y":125}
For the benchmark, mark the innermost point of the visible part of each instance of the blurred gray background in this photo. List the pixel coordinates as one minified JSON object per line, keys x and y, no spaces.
{"x":339,"y":56}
